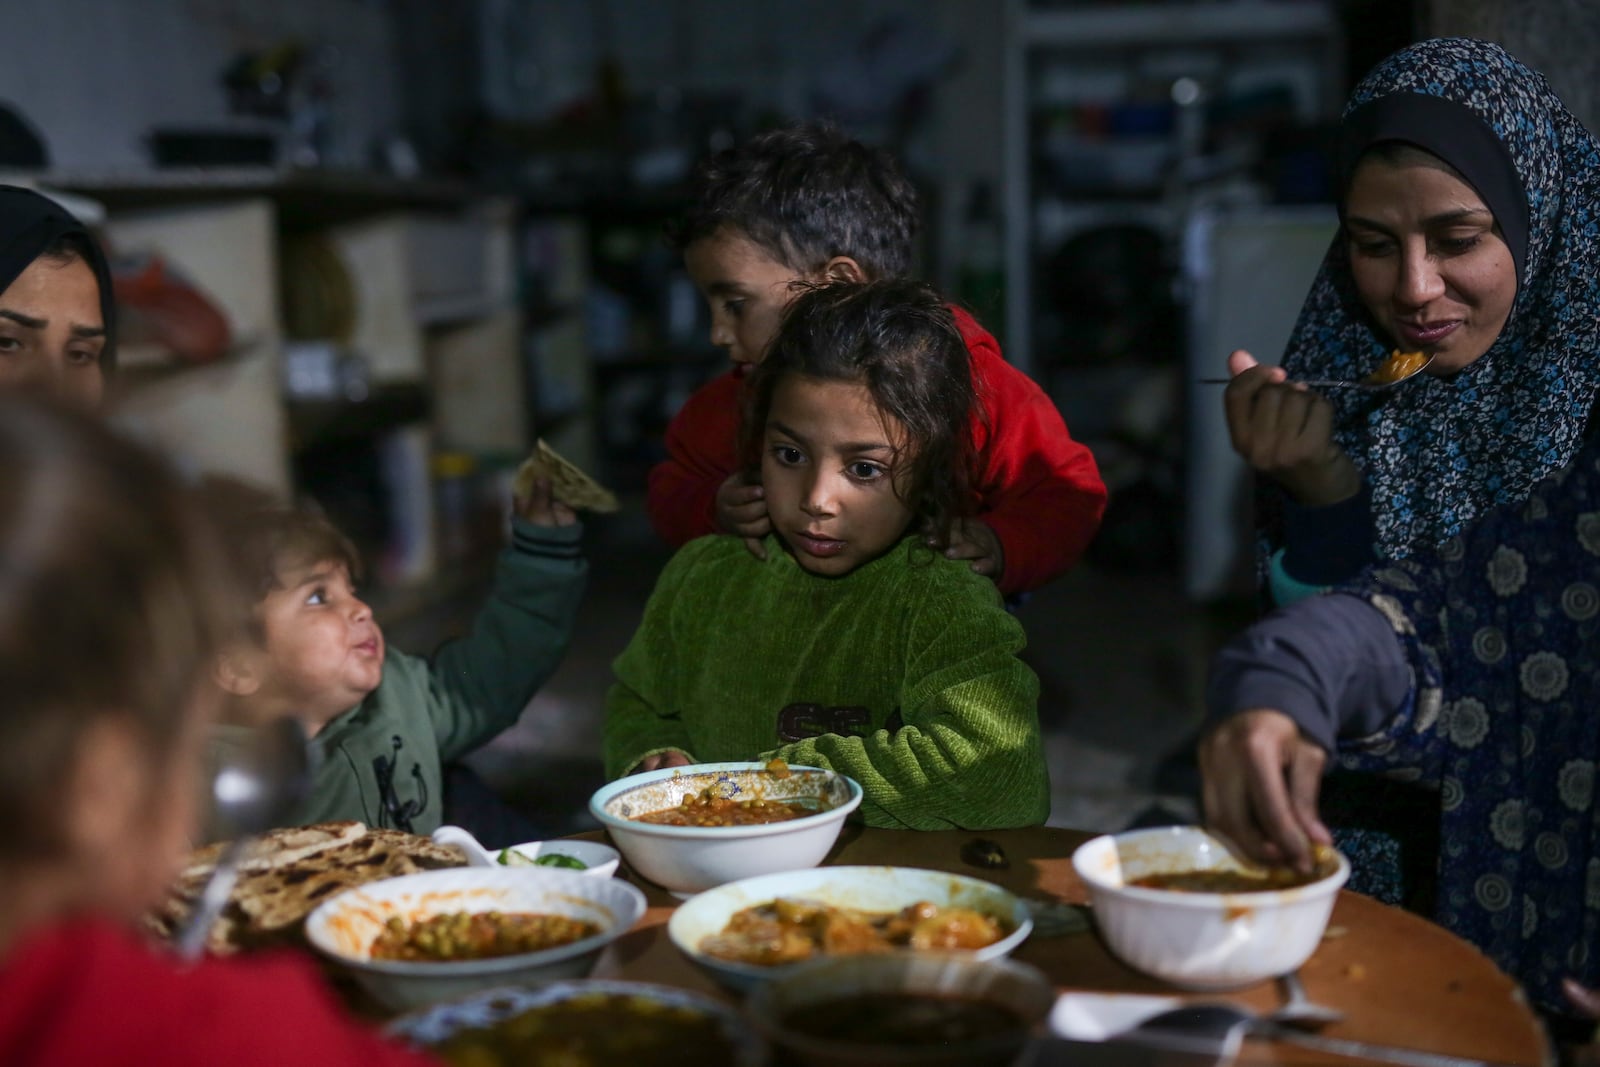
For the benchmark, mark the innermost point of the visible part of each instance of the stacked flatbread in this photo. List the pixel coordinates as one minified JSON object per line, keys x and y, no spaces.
{"x":568,"y":484}
{"x":288,"y":873}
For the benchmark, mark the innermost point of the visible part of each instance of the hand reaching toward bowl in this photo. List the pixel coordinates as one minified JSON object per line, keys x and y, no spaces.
{"x":1260,"y":779}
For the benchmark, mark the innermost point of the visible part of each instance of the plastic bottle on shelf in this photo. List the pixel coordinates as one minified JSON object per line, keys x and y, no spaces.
{"x":455,"y":504}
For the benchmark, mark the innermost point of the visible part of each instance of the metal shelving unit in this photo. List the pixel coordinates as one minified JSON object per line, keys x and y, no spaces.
{"x":1227,"y":34}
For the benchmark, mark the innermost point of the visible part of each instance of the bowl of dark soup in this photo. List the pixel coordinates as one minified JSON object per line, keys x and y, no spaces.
{"x":927,"y":1009}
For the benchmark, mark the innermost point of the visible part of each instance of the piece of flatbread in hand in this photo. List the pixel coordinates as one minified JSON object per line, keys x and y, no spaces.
{"x":568,"y":484}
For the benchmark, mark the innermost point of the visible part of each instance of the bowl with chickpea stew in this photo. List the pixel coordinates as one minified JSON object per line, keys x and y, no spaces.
{"x":1177,"y":903}
{"x":688,"y":829}
{"x":427,"y":937}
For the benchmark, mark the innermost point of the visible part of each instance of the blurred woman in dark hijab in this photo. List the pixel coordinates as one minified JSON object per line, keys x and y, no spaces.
{"x":57,"y":311}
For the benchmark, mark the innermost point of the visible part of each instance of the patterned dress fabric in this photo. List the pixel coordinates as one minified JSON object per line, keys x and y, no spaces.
{"x":1502,"y":629}
{"x":1442,"y":451}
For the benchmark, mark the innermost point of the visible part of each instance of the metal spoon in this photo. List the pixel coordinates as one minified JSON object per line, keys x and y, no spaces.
{"x":1196,"y":1023}
{"x":1299,"y":1009}
{"x":1372,"y":383}
{"x":259,"y":784}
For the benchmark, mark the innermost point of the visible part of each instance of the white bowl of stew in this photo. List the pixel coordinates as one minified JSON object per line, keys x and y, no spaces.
{"x":427,"y":937}
{"x":1177,"y":903}
{"x":688,"y":829}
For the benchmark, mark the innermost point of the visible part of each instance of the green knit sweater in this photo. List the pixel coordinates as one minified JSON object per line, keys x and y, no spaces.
{"x":902,"y":674}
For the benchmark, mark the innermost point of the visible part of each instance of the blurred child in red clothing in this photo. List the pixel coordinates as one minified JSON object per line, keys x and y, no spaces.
{"x":805,"y":204}
{"x":113,"y":596}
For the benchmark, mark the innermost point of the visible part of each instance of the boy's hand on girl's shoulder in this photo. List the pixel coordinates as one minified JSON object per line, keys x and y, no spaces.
{"x":541,"y":508}
{"x":977,"y":541}
{"x":674,"y":758}
{"x":742,"y":510}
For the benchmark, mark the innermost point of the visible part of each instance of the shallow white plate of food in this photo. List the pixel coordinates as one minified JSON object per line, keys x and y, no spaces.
{"x":699,"y":925}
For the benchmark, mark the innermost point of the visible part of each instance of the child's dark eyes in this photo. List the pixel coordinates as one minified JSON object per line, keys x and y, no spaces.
{"x":862,"y":471}
{"x":318,"y":596}
{"x":734,"y":308}
{"x":788,"y":455}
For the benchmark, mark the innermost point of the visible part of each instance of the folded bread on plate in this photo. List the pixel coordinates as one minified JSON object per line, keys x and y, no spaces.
{"x":288,"y":873}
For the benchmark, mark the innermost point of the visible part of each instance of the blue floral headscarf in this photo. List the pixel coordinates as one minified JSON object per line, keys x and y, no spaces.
{"x":1439,"y":452}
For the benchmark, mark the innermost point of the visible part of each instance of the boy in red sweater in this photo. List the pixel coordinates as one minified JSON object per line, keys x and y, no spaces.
{"x":805,"y":204}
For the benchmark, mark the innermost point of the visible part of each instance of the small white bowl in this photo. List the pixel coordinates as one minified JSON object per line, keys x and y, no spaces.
{"x":1205,"y":941}
{"x":598,"y":859}
{"x":344,"y":927}
{"x":689,"y":859}
{"x":877,"y":889}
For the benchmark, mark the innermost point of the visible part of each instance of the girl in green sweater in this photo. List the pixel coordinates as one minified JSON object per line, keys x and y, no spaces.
{"x":854,"y":644}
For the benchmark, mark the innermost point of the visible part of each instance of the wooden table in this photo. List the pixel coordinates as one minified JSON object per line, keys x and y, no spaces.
{"x":1400,"y":979}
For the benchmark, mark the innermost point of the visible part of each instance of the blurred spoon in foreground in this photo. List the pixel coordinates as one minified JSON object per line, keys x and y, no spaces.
{"x":259,"y":783}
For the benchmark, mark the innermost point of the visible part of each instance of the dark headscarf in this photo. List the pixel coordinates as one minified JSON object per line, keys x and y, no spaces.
{"x":1439,"y":452}
{"x":29,"y":224}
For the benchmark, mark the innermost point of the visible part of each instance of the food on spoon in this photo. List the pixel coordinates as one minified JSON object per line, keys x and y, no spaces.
{"x":477,"y":935}
{"x":1398,"y":366}
{"x":789,"y":930}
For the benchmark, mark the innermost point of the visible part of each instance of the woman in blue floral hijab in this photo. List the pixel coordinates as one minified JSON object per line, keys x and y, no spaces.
{"x":1469,"y":663}
{"x":1507,"y":398}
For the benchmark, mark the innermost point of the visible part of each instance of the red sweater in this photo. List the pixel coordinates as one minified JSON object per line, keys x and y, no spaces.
{"x":1037,"y":488}
{"x":89,"y":993}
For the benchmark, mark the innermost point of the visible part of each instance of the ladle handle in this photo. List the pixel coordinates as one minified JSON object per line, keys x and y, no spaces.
{"x":191,"y":942}
{"x":1406,"y":1057}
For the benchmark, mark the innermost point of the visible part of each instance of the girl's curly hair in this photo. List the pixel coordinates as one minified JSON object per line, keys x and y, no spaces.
{"x":897,"y":338}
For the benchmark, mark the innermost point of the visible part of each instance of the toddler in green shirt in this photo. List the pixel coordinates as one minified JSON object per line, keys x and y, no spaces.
{"x":853,"y":645}
{"x":385,"y":724}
